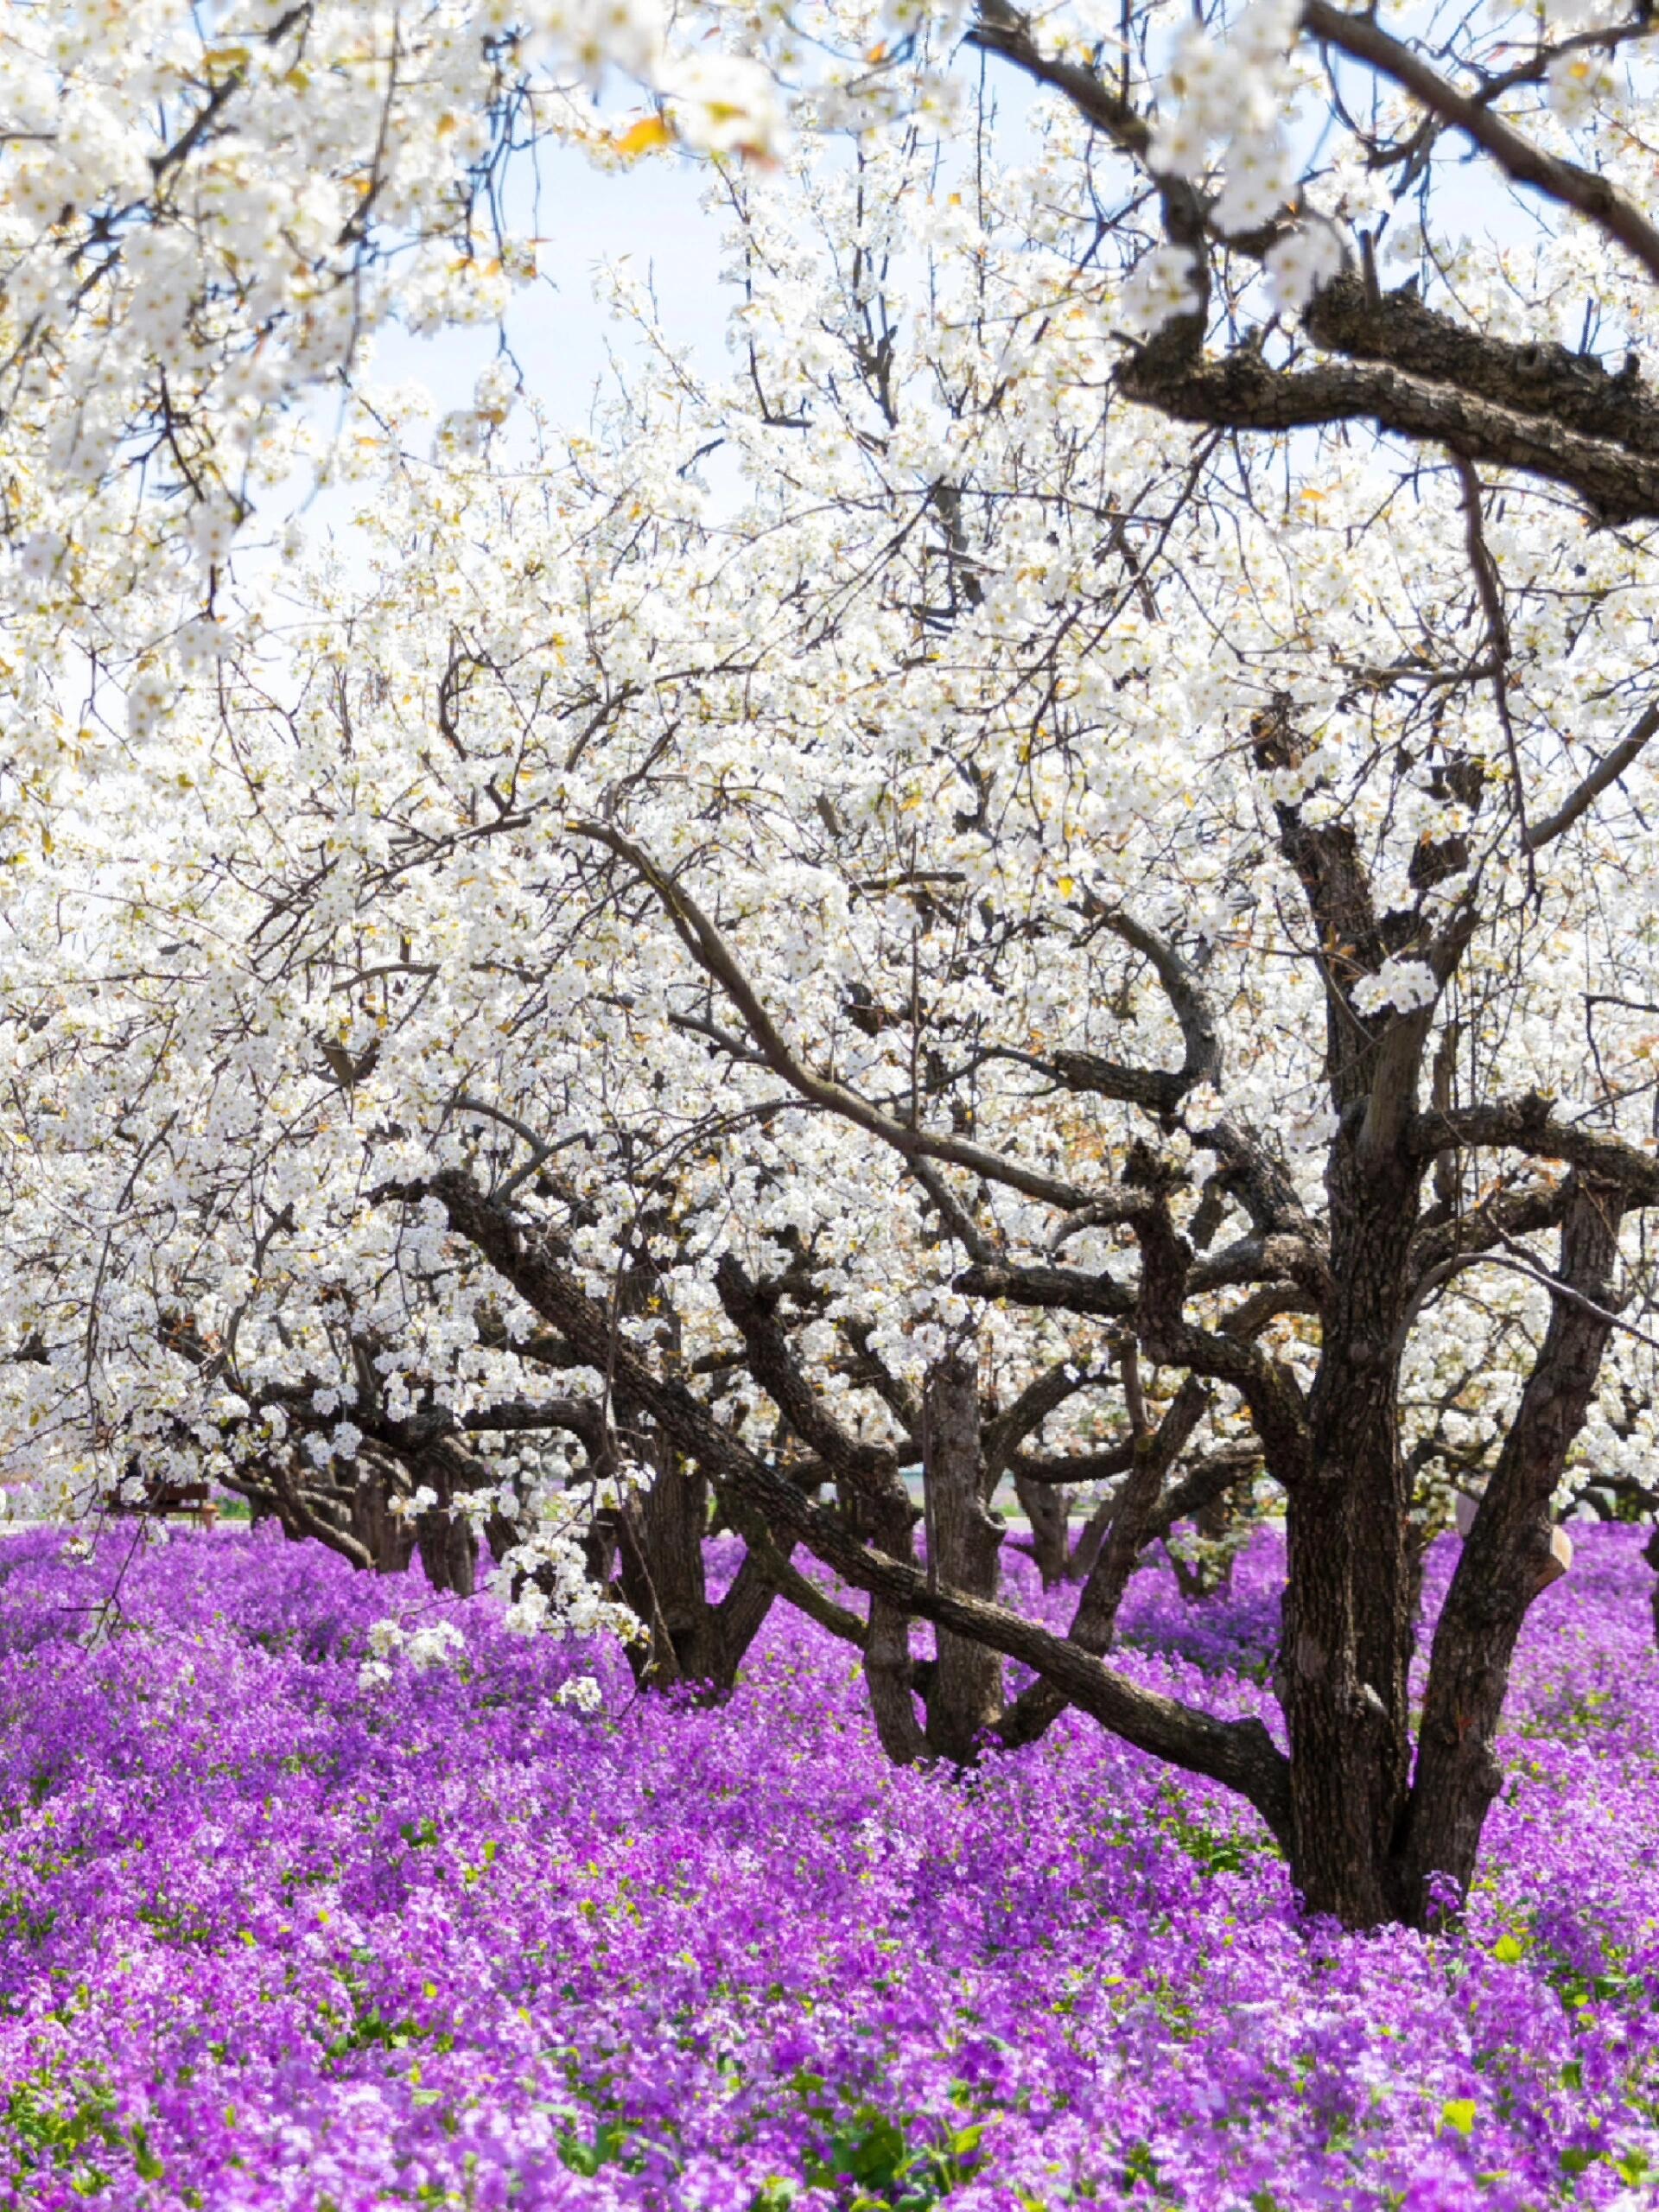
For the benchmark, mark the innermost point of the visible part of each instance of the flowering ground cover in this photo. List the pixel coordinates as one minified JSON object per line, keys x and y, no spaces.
{"x":290,"y":1918}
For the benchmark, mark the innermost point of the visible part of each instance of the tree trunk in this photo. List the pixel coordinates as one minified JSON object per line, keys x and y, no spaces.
{"x":889,"y":1521}
{"x":446,"y":1540}
{"x":448,"y":1550}
{"x":1346,"y":1636}
{"x":1044,"y":1506}
{"x":1506,"y":1561}
{"x":661,"y":1562}
{"x":388,"y":1537}
{"x":661,"y":1574}
{"x":965,"y":1690}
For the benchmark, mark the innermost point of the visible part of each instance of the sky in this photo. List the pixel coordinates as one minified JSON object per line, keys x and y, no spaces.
{"x":651,"y":213}
{"x":562,"y":337}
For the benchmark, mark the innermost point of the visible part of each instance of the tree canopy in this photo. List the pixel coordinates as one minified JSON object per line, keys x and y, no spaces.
{"x":1045,"y":878}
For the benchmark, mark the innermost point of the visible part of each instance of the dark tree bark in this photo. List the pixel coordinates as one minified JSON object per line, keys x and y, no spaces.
{"x":1508,"y":1559}
{"x":964,"y":1695}
{"x":448,"y":1551}
{"x":1044,"y":1506}
{"x":889,"y":1670}
{"x":446,"y":1540}
{"x":662,"y":1571}
{"x":387,"y":1537}
{"x":1347,"y":1631}
{"x":689,"y":1642}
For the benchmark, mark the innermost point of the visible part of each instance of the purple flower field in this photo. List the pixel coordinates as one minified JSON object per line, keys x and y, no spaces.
{"x":270,"y":1937}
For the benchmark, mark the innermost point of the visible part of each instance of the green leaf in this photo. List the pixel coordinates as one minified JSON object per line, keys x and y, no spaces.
{"x":149,"y":2165}
{"x":1460,"y":2113}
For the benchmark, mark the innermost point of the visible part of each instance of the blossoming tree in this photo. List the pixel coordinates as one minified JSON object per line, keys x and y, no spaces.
{"x":1043,"y":881}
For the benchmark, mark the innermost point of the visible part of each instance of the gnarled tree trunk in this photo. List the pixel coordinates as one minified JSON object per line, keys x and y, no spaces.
{"x":1347,"y":1623}
{"x":1044,"y":1506}
{"x":446,"y":1539}
{"x":964,"y":1695}
{"x":1508,"y":1557}
{"x":387,"y":1537}
{"x":663,"y":1575}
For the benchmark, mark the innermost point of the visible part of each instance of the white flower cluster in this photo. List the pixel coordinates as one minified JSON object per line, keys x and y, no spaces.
{"x":1300,"y":262}
{"x":436,"y":1644}
{"x":1404,"y":985}
{"x":1223,"y":106}
{"x":196,"y":205}
{"x":1162,"y":285}
{"x":544,"y":1581}
{"x":721,"y":102}
{"x":1579,"y":82}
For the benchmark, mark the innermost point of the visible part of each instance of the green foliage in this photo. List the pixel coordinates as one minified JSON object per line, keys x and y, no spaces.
{"x":894,"y":2163}
{"x":608,"y":2146}
{"x":1218,"y":1850}
{"x":70,"y":2129}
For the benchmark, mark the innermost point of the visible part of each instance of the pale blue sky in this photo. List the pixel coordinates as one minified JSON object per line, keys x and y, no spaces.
{"x":651,"y":212}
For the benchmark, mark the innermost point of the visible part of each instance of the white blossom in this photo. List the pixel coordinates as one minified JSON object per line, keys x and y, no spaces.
{"x":1404,"y":985}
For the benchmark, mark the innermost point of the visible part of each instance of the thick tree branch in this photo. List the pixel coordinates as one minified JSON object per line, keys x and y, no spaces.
{"x":698,"y":933}
{"x":1528,"y":1125}
{"x":1362,"y":39}
{"x":1573,"y":391}
{"x":1062,"y":1470}
{"x":1066,"y":1290}
{"x":1242,"y":393}
{"x":774,"y":1367}
{"x":1003,"y":30}
{"x":1506,"y":1214}
{"x":1269,"y":1388}
{"x":1507,"y":1559}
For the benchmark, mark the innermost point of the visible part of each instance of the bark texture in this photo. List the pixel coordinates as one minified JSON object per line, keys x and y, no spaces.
{"x":1044,"y":1506}
{"x":387,"y":1537}
{"x":689,"y":1642}
{"x":1506,"y":1562}
{"x":964,"y":1695}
